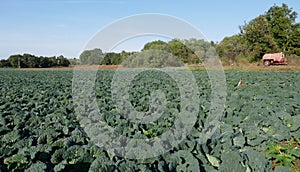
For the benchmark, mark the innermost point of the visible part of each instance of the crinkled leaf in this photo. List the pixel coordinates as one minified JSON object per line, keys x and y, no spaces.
{"x":213,"y":160}
{"x":257,"y":161}
{"x":231,"y":161}
{"x":37,"y":167}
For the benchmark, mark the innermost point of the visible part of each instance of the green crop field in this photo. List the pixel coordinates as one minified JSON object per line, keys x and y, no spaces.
{"x":41,"y":128}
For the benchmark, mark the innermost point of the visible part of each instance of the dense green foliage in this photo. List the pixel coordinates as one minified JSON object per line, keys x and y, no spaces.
{"x":40,"y":131}
{"x":32,"y":61}
{"x":283,"y":28}
{"x":97,"y":57}
{"x":176,"y":48}
{"x":285,"y":153}
{"x":274,"y":31}
{"x":4,"y":63}
{"x":152,"y":58}
{"x":112,"y":58}
{"x":154,"y":54}
{"x":231,"y":49}
{"x":91,"y":57}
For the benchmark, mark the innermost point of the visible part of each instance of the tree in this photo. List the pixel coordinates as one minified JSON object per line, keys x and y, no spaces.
{"x":282,"y":26}
{"x":4,"y":63}
{"x":152,"y":58}
{"x":200,"y":48}
{"x":274,"y":31}
{"x":62,"y":61}
{"x":164,"y":51}
{"x":111,"y":58}
{"x":157,"y":45}
{"x":294,"y":40}
{"x":180,"y":50}
{"x":190,"y":51}
{"x":259,"y":39}
{"x":74,"y":61}
{"x":15,"y":60}
{"x":32,"y":61}
{"x":44,"y":62}
{"x":232,"y":47}
{"x":91,"y":57}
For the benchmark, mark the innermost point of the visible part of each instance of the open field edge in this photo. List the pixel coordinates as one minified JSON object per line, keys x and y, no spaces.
{"x":286,"y":68}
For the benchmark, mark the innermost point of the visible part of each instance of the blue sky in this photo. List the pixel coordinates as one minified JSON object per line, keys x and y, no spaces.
{"x":63,"y":27}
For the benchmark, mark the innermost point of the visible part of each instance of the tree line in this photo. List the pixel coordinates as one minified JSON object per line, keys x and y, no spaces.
{"x":154,"y":54}
{"x":97,"y":57}
{"x":32,"y":61}
{"x":274,"y":31}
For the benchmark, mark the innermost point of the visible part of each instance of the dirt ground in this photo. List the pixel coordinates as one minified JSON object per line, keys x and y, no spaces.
{"x":264,"y":68}
{"x":251,"y":67}
{"x":255,"y":67}
{"x":77,"y":67}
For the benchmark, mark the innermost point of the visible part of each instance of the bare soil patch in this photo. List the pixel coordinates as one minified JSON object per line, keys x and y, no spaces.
{"x":249,"y":67}
{"x":77,"y":67}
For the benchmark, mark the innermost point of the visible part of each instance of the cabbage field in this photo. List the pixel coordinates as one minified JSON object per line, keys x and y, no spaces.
{"x":41,"y":130}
